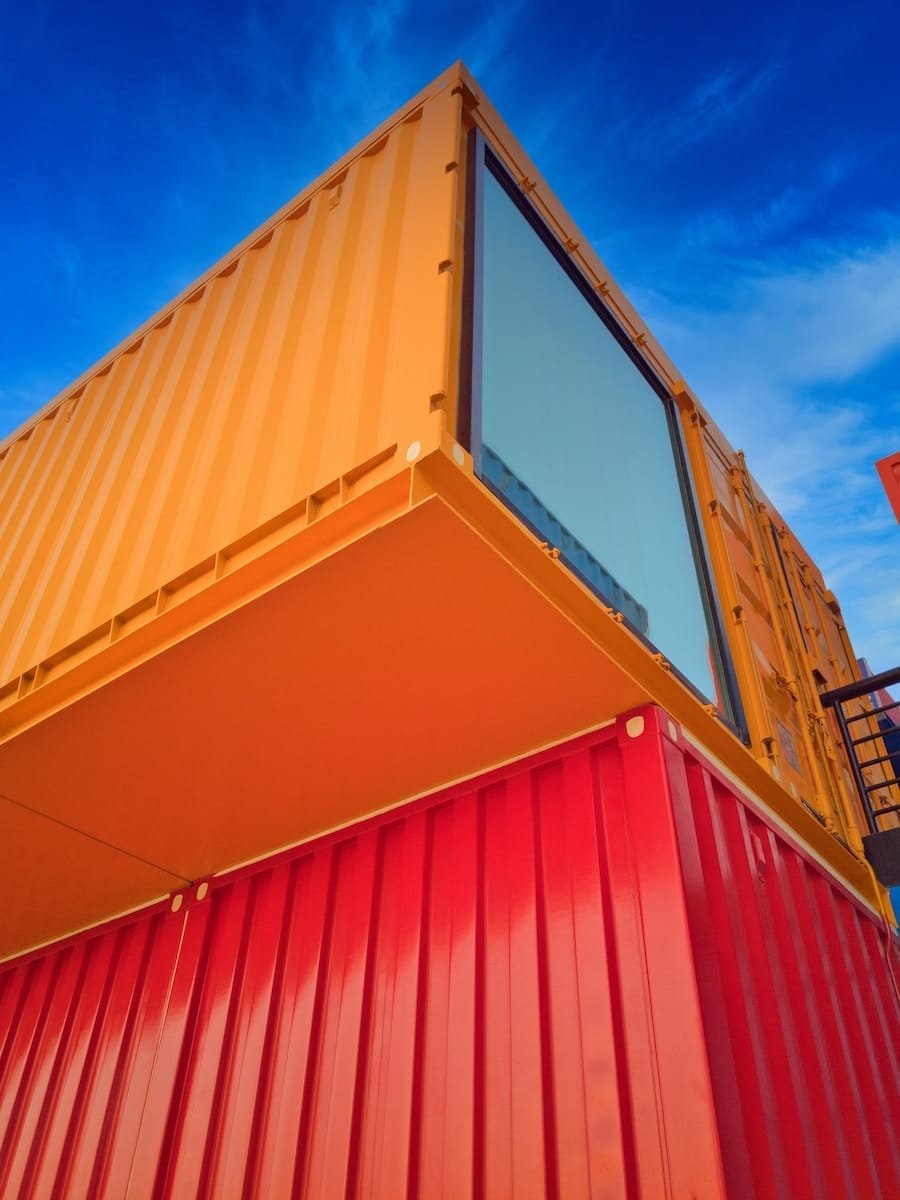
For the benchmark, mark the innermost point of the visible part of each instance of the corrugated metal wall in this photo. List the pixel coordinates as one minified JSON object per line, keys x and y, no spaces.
{"x":489,"y":993}
{"x":785,"y":629}
{"x":430,"y":1004}
{"x":797,"y":998}
{"x":312,"y":351}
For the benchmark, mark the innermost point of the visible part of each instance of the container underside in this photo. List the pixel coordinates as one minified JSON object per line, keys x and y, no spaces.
{"x":594,"y":971}
{"x":432,"y":643}
{"x":413,"y":657}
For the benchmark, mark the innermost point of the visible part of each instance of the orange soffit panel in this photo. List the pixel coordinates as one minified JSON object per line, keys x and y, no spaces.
{"x":889,"y":471}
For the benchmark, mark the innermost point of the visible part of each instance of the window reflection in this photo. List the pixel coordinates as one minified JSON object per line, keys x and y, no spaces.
{"x":578,"y":441}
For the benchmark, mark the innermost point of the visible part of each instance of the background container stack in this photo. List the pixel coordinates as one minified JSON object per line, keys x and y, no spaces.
{"x":527,"y":914}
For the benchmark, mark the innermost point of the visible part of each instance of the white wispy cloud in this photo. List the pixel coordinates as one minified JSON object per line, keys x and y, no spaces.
{"x":779,"y":355}
{"x":762,"y":216}
{"x":709,"y":107}
{"x":717,"y":100}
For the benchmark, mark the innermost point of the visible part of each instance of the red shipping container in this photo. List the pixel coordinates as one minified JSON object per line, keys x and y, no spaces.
{"x":889,"y":471}
{"x":600,"y":971}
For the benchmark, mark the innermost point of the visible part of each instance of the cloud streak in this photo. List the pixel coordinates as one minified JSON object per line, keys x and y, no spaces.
{"x":726,"y":95}
{"x":716,"y":101}
{"x":778,"y":358}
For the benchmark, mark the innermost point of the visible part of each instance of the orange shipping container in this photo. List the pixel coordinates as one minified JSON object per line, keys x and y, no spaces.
{"x":268,"y":519}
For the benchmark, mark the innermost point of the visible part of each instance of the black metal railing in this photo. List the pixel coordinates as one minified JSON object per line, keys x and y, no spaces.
{"x":887,"y":734}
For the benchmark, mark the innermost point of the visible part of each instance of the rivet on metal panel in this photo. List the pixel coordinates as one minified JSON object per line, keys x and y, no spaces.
{"x":177,"y":902}
{"x":202,"y":890}
{"x":634,"y":726}
{"x":413,"y":450}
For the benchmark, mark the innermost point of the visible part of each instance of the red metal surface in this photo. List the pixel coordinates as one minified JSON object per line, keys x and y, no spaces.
{"x":798,"y":1003}
{"x":491,"y":992}
{"x":889,"y":471}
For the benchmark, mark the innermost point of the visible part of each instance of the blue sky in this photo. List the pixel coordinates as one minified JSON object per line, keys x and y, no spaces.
{"x":738,"y":168}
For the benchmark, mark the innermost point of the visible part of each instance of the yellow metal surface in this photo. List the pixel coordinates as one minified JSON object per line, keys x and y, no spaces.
{"x":318,"y":343}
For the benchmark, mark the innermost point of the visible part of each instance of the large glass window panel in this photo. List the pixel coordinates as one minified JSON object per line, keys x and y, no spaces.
{"x":578,"y":440}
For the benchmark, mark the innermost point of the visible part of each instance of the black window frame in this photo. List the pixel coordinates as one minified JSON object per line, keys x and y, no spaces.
{"x":481,"y":158}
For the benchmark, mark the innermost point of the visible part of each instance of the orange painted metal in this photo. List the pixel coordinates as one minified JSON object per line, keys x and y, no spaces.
{"x":316,"y":347}
{"x":230,"y":744}
{"x":585,"y":974}
{"x":782,"y":660}
{"x":250,"y":530}
{"x":889,"y":473}
{"x":784,"y":626}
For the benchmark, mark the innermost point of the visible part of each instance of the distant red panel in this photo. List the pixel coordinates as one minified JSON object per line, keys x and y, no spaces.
{"x":596,"y":972}
{"x":889,"y":470}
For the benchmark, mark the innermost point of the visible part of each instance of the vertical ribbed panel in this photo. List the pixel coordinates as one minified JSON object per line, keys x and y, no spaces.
{"x":521,"y":987}
{"x":788,"y":634}
{"x":798,"y":1001}
{"x":315,"y":349}
{"x":78,"y":1035}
